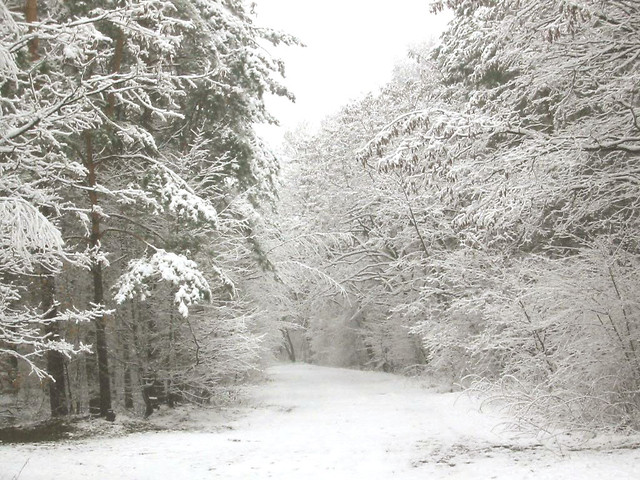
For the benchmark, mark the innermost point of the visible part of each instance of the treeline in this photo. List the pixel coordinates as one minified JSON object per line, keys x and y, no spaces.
{"x":478,"y":218}
{"x":130,"y":175}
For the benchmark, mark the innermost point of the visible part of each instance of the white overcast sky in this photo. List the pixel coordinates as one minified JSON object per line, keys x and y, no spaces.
{"x":351,"y":48}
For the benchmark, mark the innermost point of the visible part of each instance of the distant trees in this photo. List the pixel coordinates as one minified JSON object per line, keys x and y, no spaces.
{"x":127,"y":148}
{"x":350,"y":237}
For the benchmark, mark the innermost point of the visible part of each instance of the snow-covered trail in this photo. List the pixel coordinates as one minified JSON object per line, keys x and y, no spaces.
{"x":312,"y":422}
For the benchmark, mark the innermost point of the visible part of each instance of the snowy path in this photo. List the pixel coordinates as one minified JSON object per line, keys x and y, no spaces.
{"x":322,"y":423}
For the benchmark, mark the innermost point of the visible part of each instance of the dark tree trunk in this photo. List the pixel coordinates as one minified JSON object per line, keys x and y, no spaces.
{"x":288,"y":345}
{"x":358,"y":319}
{"x":55,"y":360}
{"x":149,"y":394}
{"x":31,"y":15}
{"x":117,"y":64}
{"x":98,"y":284}
{"x":101,"y":343}
{"x":128,"y":385}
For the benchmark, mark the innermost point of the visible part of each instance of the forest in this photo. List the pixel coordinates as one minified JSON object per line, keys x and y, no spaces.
{"x":476,"y":221}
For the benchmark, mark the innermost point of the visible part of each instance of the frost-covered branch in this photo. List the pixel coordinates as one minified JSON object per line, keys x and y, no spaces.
{"x":182,"y":273}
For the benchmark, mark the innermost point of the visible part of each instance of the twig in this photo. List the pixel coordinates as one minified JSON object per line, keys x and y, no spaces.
{"x":17,"y":475}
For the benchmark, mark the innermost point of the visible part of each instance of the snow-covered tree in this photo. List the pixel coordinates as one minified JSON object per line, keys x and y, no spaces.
{"x":530,"y":145}
{"x":103,"y":105}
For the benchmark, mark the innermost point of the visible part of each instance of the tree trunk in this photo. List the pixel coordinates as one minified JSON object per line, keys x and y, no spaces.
{"x":31,"y":15}
{"x":101,"y":343}
{"x":128,"y":385}
{"x":358,"y":320}
{"x":98,"y":284}
{"x":117,"y":65}
{"x":288,"y":345}
{"x":55,"y":359}
{"x":95,"y":237}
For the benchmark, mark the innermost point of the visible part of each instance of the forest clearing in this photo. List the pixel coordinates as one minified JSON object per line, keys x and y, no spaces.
{"x":324,"y":423}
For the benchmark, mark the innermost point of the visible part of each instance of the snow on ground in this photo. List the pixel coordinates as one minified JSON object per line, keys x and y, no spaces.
{"x":312,"y":422}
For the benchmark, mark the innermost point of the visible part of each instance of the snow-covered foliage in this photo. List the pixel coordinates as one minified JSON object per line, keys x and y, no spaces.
{"x":22,"y":338}
{"x":531,"y":166}
{"x":180,"y":198}
{"x":27,"y":238}
{"x":221,"y":349}
{"x":183,"y":273}
{"x":29,"y":245}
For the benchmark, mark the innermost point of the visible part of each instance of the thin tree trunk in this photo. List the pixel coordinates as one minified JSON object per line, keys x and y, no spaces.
{"x":357,"y":319}
{"x":101,"y":343}
{"x":104,"y":376}
{"x":98,"y":284}
{"x":288,"y":345}
{"x":128,"y":386}
{"x":136,"y":342}
{"x":55,"y":359}
{"x":67,"y":381}
{"x":116,"y":66}
{"x":31,"y":15}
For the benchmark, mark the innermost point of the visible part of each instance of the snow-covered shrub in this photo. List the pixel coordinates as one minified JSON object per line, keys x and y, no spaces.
{"x":580,"y":364}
